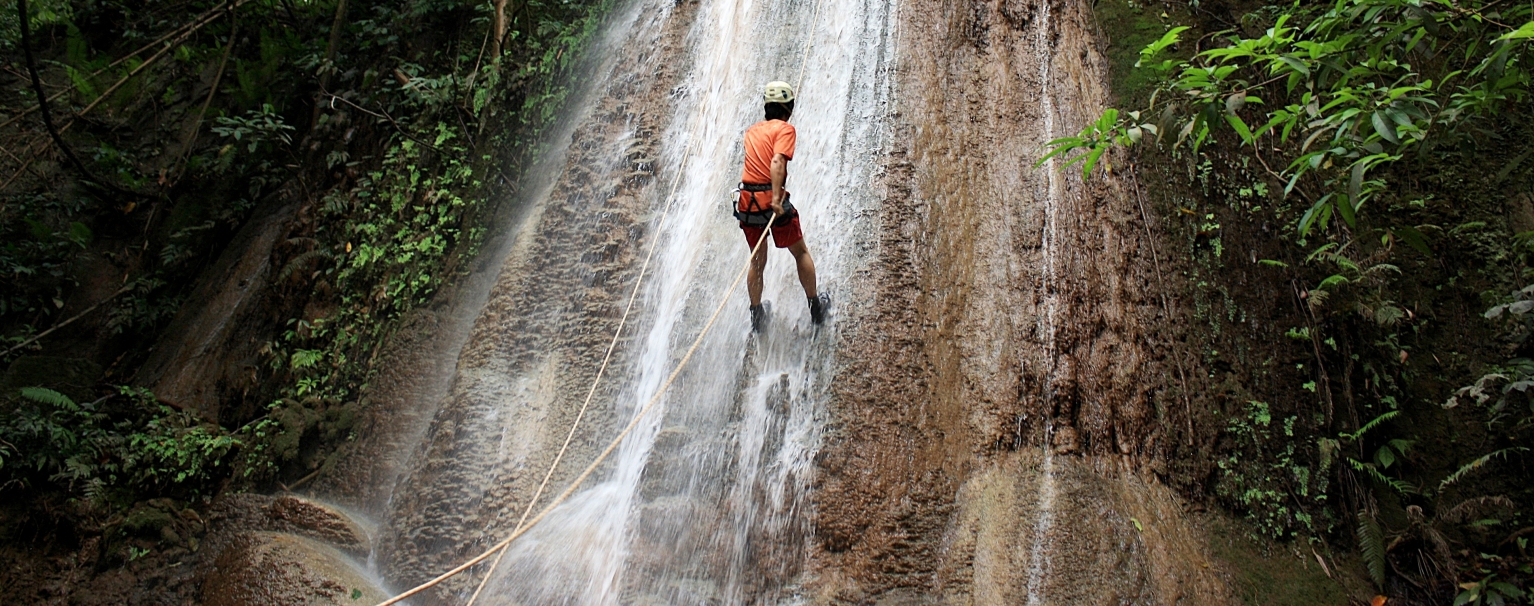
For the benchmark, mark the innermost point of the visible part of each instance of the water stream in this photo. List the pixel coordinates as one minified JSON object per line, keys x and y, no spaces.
{"x":704,"y":503}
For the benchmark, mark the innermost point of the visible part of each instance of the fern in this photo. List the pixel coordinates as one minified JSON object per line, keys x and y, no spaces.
{"x":1371,"y":425}
{"x":1374,"y":472}
{"x":1371,"y":542}
{"x":43,"y":395}
{"x":300,"y":261}
{"x":1476,"y":464}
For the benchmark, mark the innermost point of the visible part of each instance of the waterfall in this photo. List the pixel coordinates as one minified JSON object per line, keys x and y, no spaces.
{"x":705,"y":501}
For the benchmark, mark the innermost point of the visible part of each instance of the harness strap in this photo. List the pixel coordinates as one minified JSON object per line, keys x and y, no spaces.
{"x":755,"y":188}
{"x":758,"y":217}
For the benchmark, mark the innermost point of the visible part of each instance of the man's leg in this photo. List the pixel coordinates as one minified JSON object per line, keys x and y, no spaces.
{"x":806,"y":269}
{"x":754,"y":276}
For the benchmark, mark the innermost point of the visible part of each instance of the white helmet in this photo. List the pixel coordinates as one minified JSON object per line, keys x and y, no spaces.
{"x":778,"y":92}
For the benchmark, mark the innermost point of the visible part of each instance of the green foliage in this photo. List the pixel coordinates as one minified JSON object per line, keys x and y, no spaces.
{"x":1338,"y":93}
{"x":137,"y":448}
{"x":1371,"y":541}
{"x":1265,"y":483}
{"x":1357,"y":116}
{"x":1488,"y":591}
{"x":388,"y":244}
{"x":256,"y":128}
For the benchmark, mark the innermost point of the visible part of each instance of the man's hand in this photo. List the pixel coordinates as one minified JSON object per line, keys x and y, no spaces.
{"x":779,"y":174}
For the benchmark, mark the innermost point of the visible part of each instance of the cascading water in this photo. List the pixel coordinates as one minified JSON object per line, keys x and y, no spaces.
{"x":1039,"y":561}
{"x":704,"y":503}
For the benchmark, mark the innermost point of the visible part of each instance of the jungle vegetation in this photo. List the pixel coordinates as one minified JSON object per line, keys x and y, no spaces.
{"x":139,"y":136}
{"x":1349,"y":193}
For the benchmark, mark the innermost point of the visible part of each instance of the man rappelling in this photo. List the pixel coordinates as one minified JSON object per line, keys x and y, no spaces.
{"x":769,"y":146}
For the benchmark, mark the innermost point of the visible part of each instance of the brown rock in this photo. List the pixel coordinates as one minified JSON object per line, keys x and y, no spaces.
{"x":274,"y":568}
{"x":319,"y":521}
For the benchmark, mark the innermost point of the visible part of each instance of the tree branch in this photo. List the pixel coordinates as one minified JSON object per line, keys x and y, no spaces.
{"x":42,"y":97}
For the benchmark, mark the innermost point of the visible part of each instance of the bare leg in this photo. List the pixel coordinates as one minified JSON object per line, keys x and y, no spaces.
{"x":754,"y":276}
{"x":806,"y":268}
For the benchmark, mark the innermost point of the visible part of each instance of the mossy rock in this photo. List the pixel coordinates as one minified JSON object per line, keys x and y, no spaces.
{"x":296,"y":420}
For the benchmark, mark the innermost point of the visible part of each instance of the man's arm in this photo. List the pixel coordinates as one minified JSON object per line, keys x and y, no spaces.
{"x":779,"y":174}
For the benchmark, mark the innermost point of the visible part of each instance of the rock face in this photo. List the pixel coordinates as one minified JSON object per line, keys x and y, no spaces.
{"x":1000,"y":394}
{"x":207,"y":360}
{"x":282,"y":569}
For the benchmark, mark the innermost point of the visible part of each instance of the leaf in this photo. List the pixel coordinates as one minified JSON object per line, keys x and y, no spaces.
{"x":80,"y":234}
{"x":1355,"y":183}
{"x":1371,"y":543}
{"x":1413,"y":238}
{"x":1331,"y":281}
{"x":1313,"y":215}
{"x":1345,"y":210}
{"x":1383,"y":126}
{"x":1367,"y":427}
{"x":1295,"y":64}
{"x":1241,"y":128}
{"x":1092,"y":157}
{"x":1475,"y":464}
{"x":1385,"y":457}
{"x":1525,"y":32}
{"x":1273,"y":263}
{"x":43,"y":395}
{"x":1512,"y":165}
{"x":1511,"y":591}
{"x":1520,"y":307}
{"x":1061,"y":146}
{"x":1388,"y":315}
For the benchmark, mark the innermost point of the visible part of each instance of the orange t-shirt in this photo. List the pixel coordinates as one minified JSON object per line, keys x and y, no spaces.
{"x":764,"y":140}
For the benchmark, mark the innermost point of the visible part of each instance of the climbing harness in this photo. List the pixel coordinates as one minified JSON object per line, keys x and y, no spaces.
{"x":524,"y":524}
{"x":756,"y":216}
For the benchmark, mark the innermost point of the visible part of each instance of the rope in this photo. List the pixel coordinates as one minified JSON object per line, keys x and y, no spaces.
{"x":523,"y":525}
{"x":808,"y":44}
{"x":601,"y":370}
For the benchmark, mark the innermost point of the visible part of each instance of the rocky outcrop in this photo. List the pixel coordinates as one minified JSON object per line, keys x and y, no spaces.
{"x":273,"y":568}
{"x":284,"y":550}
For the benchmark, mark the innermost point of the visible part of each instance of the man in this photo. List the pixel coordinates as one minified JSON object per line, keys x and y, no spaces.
{"x":769,"y":147}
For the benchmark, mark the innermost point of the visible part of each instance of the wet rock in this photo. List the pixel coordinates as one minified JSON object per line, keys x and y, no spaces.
{"x":1066,"y":441}
{"x":320,"y":521}
{"x":245,"y":513}
{"x":263,"y":568}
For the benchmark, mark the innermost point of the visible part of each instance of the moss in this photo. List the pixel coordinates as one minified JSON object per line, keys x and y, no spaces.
{"x":147,"y":520}
{"x":1128,"y":26}
{"x":1280,"y":575}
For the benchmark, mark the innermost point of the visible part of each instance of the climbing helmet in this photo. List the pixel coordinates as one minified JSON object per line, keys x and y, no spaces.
{"x":778,"y":92}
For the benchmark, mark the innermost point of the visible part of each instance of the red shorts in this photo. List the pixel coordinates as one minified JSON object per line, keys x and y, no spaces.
{"x":783,"y":236}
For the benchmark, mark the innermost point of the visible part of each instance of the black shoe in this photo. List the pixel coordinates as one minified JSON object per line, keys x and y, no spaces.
{"x":758,"y":318}
{"x":818,"y":305}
